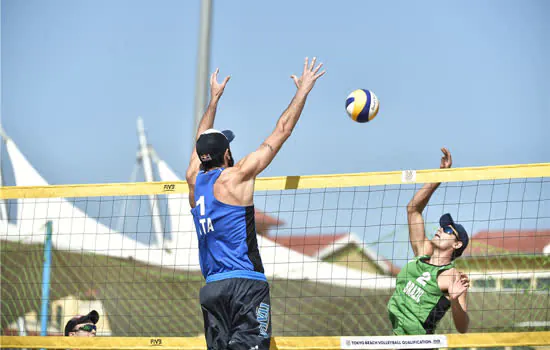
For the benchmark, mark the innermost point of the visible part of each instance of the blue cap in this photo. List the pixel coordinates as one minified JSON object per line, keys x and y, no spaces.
{"x":447,"y":220}
{"x":230,"y":135}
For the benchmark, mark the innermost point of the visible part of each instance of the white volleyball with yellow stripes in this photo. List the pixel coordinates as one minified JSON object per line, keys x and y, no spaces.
{"x":362,"y":105}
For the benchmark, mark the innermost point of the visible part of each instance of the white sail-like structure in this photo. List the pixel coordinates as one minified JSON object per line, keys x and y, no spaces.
{"x":182,"y":228}
{"x":74,"y":230}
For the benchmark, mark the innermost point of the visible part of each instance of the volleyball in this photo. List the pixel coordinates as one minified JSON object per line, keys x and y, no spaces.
{"x":362,"y":105}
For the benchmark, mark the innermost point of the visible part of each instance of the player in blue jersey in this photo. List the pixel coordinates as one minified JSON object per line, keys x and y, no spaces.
{"x":235,"y":300}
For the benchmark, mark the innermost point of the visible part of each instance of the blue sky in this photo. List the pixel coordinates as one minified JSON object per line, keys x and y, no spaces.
{"x":469,"y":75}
{"x":472,"y":76}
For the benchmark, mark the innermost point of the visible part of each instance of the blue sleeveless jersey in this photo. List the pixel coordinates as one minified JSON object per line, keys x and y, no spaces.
{"x":227,"y":234}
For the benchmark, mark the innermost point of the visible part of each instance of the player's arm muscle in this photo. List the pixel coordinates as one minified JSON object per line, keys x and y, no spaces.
{"x":419,"y":242}
{"x":206,"y":122}
{"x":253,"y":164}
{"x":459,"y":307}
{"x":459,"y":311}
{"x":191,"y":197}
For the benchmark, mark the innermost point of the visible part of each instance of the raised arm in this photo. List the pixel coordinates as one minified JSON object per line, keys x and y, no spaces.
{"x":207,"y":122}
{"x":419,"y":242}
{"x":253,"y":164}
{"x":458,"y":291}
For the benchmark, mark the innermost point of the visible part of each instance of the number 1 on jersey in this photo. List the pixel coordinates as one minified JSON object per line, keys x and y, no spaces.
{"x":206,"y":223}
{"x":200,"y":204}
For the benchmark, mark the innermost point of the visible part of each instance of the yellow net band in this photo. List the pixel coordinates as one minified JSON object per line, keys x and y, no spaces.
{"x":472,"y":340}
{"x":288,"y":182}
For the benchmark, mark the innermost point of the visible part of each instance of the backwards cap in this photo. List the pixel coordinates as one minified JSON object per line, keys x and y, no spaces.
{"x":212,"y":143}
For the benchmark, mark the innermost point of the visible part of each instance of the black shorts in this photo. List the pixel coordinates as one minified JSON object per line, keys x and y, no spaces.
{"x":237,"y":314}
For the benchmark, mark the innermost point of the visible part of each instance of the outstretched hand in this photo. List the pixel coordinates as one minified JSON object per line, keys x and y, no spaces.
{"x":216,"y":89}
{"x":309,"y":76}
{"x":446,"y":160}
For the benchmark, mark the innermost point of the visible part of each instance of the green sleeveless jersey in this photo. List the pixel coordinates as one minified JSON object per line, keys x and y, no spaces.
{"x":418,"y":304}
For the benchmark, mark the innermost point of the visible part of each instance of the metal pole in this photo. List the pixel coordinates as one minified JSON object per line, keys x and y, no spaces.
{"x":203,"y":64}
{"x":46,"y":280}
{"x":148,"y":170}
{"x":119,"y":227}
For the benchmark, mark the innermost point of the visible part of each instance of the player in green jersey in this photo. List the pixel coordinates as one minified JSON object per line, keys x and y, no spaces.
{"x":429,"y":285}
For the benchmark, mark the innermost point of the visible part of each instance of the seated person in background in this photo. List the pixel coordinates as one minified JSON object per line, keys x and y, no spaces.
{"x":82,"y":326}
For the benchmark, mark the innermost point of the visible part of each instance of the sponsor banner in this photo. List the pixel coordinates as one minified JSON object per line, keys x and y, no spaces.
{"x":394,"y":342}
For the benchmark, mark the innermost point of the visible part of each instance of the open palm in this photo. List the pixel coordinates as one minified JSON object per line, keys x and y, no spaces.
{"x":309,"y":76}
{"x":216,"y":89}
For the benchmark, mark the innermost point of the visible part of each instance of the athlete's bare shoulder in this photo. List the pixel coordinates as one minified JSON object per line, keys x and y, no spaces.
{"x":232,"y":179}
{"x":230,"y":188}
{"x":234,"y":176}
{"x":228,"y":175}
{"x":450,"y":272}
{"x":446,"y":278}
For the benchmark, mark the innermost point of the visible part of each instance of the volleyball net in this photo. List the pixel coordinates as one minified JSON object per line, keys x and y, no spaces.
{"x":331,"y":246}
